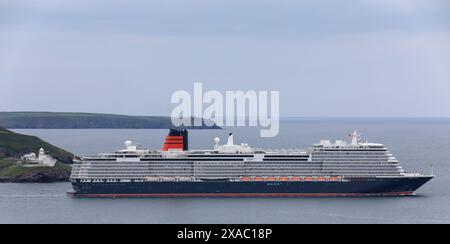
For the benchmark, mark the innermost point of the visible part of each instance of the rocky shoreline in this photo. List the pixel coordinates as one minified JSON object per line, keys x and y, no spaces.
{"x":11,"y":172}
{"x":38,"y":177}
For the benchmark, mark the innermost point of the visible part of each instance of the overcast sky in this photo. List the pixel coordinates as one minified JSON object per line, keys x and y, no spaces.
{"x":383,"y":58}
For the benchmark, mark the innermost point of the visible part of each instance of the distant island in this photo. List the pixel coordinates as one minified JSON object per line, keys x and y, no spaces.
{"x":13,"y":146}
{"x":52,"y":120}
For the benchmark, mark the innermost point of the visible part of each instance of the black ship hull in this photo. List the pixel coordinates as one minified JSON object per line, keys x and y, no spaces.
{"x":400,"y":186}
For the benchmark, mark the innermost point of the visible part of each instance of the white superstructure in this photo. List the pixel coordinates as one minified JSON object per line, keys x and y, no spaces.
{"x":324,"y":161}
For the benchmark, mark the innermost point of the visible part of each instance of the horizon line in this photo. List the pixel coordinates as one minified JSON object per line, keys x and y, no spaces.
{"x":281,"y":117}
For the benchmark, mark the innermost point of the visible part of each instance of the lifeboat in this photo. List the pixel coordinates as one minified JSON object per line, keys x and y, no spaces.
{"x":245,"y":179}
{"x":271,"y":179}
{"x":259,"y":179}
{"x":152,"y":179}
{"x":284,"y":179}
{"x":321,"y":179}
{"x":309,"y":179}
{"x":296,"y":179}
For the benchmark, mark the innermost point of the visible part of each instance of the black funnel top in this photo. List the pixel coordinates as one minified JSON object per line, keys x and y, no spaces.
{"x":181,"y":132}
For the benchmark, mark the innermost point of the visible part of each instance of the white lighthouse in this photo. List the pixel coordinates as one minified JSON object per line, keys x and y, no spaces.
{"x":41,"y":160}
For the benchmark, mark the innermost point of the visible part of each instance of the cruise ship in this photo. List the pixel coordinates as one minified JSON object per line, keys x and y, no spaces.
{"x":328,"y":168}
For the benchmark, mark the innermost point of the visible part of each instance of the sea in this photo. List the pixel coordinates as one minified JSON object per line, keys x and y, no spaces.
{"x":421,"y":145}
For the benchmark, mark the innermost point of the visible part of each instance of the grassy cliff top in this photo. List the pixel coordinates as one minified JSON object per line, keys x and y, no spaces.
{"x":13,"y":145}
{"x":11,"y":172}
{"x":51,"y":120}
{"x":9,"y":168}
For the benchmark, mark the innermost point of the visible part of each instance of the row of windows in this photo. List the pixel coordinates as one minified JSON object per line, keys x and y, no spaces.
{"x":306,"y":164}
{"x":349,"y":156}
{"x":365,"y":166}
{"x":232,"y":175}
{"x":240,"y":169}
{"x":235,"y":176}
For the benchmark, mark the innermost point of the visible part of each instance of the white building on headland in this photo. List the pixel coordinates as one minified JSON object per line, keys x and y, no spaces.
{"x":41,"y":160}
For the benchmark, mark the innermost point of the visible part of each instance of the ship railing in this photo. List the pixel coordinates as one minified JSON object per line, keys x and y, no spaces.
{"x":412,"y":174}
{"x":291,"y":151}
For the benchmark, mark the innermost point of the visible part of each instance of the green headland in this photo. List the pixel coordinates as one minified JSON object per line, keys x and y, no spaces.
{"x":51,"y":120}
{"x":14,"y":145}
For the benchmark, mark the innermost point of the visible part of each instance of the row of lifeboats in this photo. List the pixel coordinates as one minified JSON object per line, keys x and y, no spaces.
{"x":170,"y":179}
{"x":306,"y":178}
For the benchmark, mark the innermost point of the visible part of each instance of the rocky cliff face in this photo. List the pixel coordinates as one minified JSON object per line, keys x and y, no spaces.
{"x":38,"y":177}
{"x":10,"y":171}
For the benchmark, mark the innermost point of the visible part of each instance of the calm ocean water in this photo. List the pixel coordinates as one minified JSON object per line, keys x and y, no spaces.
{"x":417,"y":143}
